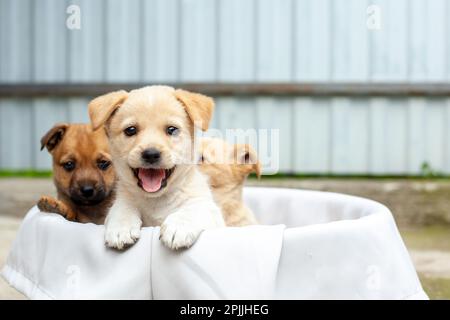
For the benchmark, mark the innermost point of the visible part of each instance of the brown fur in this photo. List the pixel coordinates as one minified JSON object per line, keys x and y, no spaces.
{"x":79,"y":144}
{"x":227,"y":166}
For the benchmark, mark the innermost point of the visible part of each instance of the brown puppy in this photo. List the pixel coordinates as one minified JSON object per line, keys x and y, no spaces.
{"x":82,"y":173}
{"x":227,"y":166}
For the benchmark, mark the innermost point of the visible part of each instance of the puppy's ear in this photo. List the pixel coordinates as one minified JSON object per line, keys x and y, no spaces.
{"x":245,"y":154}
{"x":198,"y":107}
{"x":102,"y":108}
{"x":53,"y":136}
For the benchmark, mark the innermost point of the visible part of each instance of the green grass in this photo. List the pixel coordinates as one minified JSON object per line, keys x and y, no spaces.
{"x":281,"y":176}
{"x":351,"y":177}
{"x":436,"y":288}
{"x":435,"y":237}
{"x":25,"y":174}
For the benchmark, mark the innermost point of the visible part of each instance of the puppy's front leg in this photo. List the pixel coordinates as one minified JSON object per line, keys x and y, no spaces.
{"x":183,"y":227}
{"x":122,"y":225}
{"x":52,"y":205}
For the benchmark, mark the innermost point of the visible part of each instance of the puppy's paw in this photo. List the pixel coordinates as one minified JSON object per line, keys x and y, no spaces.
{"x":178,"y":233}
{"x":120,"y":236}
{"x":48,"y":204}
{"x":52,"y":205}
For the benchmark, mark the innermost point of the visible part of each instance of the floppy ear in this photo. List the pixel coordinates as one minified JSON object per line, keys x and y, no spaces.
{"x":198,"y":107}
{"x":102,"y":108}
{"x":245,"y":154}
{"x":53,"y":136}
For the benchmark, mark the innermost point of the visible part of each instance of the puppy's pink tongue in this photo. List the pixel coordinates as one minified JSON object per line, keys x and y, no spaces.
{"x":151,"y":179}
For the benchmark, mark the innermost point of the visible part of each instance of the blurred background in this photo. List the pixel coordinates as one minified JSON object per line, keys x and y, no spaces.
{"x":358,"y":89}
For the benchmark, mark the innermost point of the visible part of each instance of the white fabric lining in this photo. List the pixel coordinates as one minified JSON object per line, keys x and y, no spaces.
{"x":335,"y":247}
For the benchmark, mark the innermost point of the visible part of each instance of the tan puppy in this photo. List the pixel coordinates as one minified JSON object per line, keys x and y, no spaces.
{"x":151,"y":132}
{"x":82,"y":173}
{"x":227,"y":167}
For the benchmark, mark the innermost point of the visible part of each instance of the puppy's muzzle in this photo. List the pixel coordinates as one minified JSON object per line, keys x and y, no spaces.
{"x":151,"y":156}
{"x":87,"y":194}
{"x":87,"y":191}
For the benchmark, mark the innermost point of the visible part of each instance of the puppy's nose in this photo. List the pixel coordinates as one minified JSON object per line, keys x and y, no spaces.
{"x":87,"y":191}
{"x":151,"y":155}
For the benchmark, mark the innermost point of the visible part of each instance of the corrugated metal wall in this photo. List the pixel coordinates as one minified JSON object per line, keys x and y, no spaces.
{"x":243,"y":41}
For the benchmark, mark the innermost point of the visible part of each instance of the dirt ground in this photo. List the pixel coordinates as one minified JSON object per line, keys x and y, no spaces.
{"x":421,"y":209}
{"x":8,"y":229}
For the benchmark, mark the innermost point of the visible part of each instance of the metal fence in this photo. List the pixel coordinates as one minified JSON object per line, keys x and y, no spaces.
{"x":311,"y":45}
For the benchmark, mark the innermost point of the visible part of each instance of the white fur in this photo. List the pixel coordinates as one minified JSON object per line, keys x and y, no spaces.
{"x":185,"y":206}
{"x":183,"y":212}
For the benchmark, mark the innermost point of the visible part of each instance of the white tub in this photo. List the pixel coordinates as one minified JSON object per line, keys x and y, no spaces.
{"x":331,"y":246}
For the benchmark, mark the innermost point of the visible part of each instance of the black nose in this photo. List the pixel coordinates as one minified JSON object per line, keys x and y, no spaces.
{"x":87,"y":191}
{"x":151,"y":155}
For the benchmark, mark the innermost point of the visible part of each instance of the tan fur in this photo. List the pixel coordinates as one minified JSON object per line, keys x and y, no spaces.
{"x":184,"y":207}
{"x":79,"y":144}
{"x":198,"y":107}
{"x":227,"y":167}
{"x":101,"y":108}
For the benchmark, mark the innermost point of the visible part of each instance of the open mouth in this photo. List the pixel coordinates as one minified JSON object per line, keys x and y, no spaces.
{"x":152,"y":179}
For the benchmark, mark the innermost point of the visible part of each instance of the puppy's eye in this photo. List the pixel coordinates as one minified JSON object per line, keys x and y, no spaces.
{"x":103,"y":164}
{"x":172,"y":131}
{"x":130,"y":131}
{"x":69,"y":166}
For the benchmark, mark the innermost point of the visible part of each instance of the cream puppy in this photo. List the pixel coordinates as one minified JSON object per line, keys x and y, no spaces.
{"x":151,"y":132}
{"x":227,"y":167}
